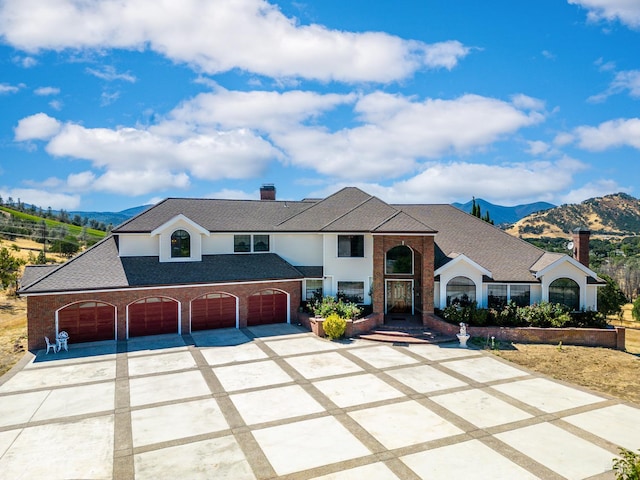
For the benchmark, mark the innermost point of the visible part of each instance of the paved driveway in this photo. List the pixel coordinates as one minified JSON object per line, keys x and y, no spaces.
{"x":277,"y":402}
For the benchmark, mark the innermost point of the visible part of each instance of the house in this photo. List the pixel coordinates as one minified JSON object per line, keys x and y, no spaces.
{"x":197,"y":264}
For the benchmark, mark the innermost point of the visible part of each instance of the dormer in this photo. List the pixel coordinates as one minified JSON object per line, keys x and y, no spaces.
{"x":180,"y":240}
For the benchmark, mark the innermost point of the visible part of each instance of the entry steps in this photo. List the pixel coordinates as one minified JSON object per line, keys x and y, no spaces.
{"x":413,"y":335}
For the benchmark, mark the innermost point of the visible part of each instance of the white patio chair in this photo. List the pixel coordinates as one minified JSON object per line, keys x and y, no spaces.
{"x":50,"y":346}
{"x":63,"y":338}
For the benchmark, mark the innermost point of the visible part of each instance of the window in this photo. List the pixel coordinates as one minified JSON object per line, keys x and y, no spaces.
{"x":250,"y":243}
{"x":351,"y":245}
{"x":180,"y":244}
{"x":313,"y":289}
{"x":566,"y":292}
{"x":497,"y":296}
{"x":399,"y":260}
{"x":461,"y":290}
{"x":351,"y":291}
{"x":521,"y":295}
{"x":261,"y":243}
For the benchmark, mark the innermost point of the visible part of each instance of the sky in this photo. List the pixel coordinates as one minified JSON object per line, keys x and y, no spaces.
{"x":107,"y":105}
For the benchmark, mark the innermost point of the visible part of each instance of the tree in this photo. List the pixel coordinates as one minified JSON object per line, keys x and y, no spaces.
{"x":635,"y":311}
{"x":9,"y":268}
{"x":610,"y":297}
{"x":476,"y":211}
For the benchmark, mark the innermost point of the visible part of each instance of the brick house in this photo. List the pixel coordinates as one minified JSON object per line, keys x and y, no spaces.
{"x":198,"y":264}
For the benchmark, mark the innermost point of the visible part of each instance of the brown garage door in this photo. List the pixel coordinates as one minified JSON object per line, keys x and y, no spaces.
{"x":267,"y":306}
{"x":215,"y":310}
{"x":88,"y":322}
{"x":153,"y":316}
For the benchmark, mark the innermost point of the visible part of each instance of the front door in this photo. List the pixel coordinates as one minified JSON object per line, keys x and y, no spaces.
{"x":399,"y":296}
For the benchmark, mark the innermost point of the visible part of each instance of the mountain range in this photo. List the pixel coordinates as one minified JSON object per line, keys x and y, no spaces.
{"x":502,"y":216}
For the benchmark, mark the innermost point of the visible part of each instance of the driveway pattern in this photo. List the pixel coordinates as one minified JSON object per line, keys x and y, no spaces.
{"x":277,"y":402}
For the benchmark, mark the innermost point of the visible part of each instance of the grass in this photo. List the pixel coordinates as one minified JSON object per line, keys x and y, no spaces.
{"x":74,"y":230}
{"x":632,"y":328}
{"x":13,"y":331}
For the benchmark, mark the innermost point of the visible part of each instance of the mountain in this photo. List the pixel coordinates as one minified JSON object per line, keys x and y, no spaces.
{"x":504,"y":215}
{"x":612,"y":215}
{"x":113,"y":218}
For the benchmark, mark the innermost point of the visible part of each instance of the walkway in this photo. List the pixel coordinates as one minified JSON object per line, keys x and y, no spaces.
{"x":278,"y":402}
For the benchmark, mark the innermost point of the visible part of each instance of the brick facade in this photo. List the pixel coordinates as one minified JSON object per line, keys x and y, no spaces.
{"x":41,"y":308}
{"x":423,"y":249}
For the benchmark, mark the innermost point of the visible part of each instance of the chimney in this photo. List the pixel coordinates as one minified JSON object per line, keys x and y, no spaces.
{"x":268,"y":191}
{"x":581,"y":246}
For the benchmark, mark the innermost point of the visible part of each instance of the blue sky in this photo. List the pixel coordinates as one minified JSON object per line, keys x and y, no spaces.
{"x":111,"y":104}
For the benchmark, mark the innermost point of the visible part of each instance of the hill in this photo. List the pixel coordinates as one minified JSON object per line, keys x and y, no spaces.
{"x":616,"y":215}
{"x":504,"y":215}
{"x":113,"y":218}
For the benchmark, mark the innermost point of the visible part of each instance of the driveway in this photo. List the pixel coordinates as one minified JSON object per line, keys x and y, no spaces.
{"x":278,"y":402}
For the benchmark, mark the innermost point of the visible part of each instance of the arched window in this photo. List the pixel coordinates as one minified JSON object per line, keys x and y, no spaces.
{"x":566,"y":292}
{"x":399,"y":260}
{"x":461,"y":290}
{"x":180,"y":244}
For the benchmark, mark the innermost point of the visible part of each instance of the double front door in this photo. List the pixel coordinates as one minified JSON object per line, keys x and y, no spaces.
{"x":399,"y":296}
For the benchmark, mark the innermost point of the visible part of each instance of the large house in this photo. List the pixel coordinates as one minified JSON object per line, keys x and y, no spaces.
{"x":197,"y":264}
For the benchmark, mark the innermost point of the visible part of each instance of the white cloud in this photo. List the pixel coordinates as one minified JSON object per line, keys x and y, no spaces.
{"x":42,"y":198}
{"x":506,"y":184}
{"x":612,"y":134}
{"x":199,"y":33}
{"x":140,"y":182}
{"x":625,"y":11}
{"x":6,"y":88}
{"x":623,"y":81}
{"x":82,"y":181}
{"x":226,"y":193}
{"x":36,"y":127}
{"x":538,"y":148}
{"x":598,"y":188}
{"x":25,"y":62}
{"x":56,"y":104}
{"x":110,"y":74}
{"x":44,"y":91}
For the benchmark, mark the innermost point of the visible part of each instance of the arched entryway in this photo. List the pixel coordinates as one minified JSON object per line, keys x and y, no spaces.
{"x":88,"y":321}
{"x":213,"y":310}
{"x":565,"y":291}
{"x":153,"y":316}
{"x":267,"y":306}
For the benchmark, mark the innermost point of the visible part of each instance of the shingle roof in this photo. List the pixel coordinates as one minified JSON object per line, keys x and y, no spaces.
{"x":35,"y":272}
{"x":508,"y":258}
{"x":100,"y":267}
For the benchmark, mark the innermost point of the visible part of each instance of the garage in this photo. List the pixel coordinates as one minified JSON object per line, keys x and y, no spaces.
{"x":267,"y":306}
{"x":153,"y":316}
{"x":215,"y":310}
{"x":88,"y":321}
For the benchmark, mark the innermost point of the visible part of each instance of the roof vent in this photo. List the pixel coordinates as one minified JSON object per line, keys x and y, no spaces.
{"x":268,"y":191}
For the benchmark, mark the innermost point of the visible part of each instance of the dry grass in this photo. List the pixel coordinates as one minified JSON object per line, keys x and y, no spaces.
{"x":13,"y":331}
{"x":26,"y":246}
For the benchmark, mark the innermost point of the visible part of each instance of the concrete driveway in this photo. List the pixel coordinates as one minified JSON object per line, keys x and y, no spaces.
{"x":278,"y":402}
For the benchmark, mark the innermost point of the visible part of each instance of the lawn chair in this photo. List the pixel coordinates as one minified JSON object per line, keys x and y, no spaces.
{"x":50,"y":346}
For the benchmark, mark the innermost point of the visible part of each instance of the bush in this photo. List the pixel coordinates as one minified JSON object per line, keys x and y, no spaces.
{"x":328,"y":305}
{"x":334,"y":326}
{"x":635,"y":311}
{"x":627,"y":467}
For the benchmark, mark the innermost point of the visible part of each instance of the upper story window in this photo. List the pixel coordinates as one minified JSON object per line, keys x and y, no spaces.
{"x":399,"y":260}
{"x":251,"y":243}
{"x":180,"y":244}
{"x":351,"y":245}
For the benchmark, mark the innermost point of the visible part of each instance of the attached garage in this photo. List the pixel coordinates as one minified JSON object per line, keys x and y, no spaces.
{"x":267,"y":306}
{"x":153,"y":316}
{"x":88,"y":321}
{"x":215,"y":310}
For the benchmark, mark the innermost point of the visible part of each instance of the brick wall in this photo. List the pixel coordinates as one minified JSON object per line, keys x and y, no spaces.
{"x":41,"y":309}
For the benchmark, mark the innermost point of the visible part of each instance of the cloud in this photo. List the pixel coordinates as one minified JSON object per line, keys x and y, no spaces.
{"x":611,"y":134}
{"x":538,"y":148}
{"x":45,"y":91}
{"x":625,"y":11}
{"x":623,"y":81}
{"x":42,"y":198}
{"x":36,"y":127}
{"x":506,"y":184}
{"x":25,"y":62}
{"x":6,"y":88}
{"x":110,"y":74}
{"x":199,"y":33}
{"x":598,"y":188}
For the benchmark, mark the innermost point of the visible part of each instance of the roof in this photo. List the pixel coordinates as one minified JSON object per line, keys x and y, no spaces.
{"x":100,"y":268}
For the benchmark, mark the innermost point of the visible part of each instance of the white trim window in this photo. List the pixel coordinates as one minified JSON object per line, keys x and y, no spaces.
{"x":245,"y":243}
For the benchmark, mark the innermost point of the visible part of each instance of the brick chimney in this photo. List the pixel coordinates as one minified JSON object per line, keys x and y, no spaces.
{"x":268,"y":191}
{"x":581,"y":246}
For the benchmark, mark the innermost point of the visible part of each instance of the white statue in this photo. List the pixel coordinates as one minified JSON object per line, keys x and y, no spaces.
{"x":463,"y":329}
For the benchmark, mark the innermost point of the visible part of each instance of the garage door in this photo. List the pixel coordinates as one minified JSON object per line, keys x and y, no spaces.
{"x":267,"y":306}
{"x":88,"y":322}
{"x":215,"y":310}
{"x":153,"y":316}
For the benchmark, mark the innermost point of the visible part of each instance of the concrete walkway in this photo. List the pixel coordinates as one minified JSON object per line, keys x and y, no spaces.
{"x":277,"y":402}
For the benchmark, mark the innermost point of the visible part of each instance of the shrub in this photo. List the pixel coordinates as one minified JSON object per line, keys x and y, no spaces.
{"x":329,"y":305}
{"x":334,"y":326}
{"x":635,"y":311}
{"x":627,"y":467}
